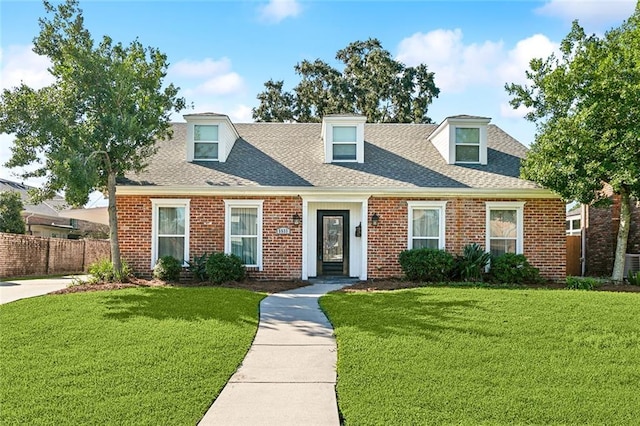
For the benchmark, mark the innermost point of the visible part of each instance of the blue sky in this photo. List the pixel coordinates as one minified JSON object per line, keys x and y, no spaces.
{"x":222,"y":52}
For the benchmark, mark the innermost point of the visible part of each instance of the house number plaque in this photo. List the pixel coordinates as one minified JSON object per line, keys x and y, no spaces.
{"x":283,"y":231}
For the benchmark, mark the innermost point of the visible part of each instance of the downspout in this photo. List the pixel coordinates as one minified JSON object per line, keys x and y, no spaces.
{"x":28,"y":224}
{"x":583,"y":238}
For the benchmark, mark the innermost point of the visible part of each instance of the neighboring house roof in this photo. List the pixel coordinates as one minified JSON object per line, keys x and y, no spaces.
{"x":291,"y":155}
{"x":575,"y":212}
{"x":47,"y":208}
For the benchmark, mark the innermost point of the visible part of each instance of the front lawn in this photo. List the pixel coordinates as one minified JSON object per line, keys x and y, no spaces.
{"x":135,"y":356}
{"x":487,"y":356}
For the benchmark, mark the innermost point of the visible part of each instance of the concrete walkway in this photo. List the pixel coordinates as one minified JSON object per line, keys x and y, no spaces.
{"x":20,"y":289}
{"x":289,"y":374}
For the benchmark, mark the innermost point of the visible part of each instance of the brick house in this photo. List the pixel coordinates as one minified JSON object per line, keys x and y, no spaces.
{"x":341,"y":197}
{"x":598,"y":227}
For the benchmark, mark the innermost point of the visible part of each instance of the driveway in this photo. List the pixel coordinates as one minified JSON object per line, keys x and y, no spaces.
{"x":20,"y":289}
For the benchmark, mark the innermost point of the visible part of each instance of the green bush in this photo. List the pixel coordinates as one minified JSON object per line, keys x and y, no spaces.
{"x":198,"y":267}
{"x":102,"y":272}
{"x":583,"y":283}
{"x":425,"y":264}
{"x":222,"y":267}
{"x":472,"y":264}
{"x":167,"y":268}
{"x":634,"y":279}
{"x":511,"y":268}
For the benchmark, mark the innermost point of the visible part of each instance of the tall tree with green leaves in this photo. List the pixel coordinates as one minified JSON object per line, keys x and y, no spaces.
{"x":586,"y":106}
{"x":99,"y":119}
{"x":11,"y":206}
{"x":371,"y":83}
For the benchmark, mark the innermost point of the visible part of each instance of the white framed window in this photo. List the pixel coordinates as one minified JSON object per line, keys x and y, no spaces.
{"x":467,"y":144}
{"x":345,"y":143}
{"x":205,"y":142}
{"x":170,"y":229}
{"x":243,"y":230}
{"x":426,"y":224}
{"x":504,"y":227}
{"x":574,"y":225}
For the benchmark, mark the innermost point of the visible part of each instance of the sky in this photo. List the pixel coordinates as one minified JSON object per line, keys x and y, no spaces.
{"x":222,"y":52}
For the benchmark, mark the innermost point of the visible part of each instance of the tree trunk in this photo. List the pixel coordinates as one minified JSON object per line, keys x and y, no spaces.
{"x":113,"y":225}
{"x":623,"y":236}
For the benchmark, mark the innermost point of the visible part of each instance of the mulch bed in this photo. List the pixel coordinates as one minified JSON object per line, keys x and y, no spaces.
{"x":278,"y":286}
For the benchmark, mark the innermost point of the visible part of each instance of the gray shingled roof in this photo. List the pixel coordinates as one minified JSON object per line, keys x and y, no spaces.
{"x":46,"y":208}
{"x":291,"y":154}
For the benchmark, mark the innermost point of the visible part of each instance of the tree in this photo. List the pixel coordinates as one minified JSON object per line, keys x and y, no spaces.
{"x":586,"y":109}
{"x":372,"y":83}
{"x":10,"y":208}
{"x":97,"y":121}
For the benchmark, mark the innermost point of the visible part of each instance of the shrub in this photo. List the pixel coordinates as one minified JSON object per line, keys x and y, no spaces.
{"x":582,"y":283}
{"x":425,"y":264}
{"x":198,"y":267}
{"x":472,"y":264}
{"x":511,"y":268}
{"x":222,"y":267}
{"x":167,"y":269}
{"x":634,"y":279}
{"x":102,"y":271}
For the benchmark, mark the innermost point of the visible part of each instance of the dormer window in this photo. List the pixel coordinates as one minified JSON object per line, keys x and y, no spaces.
{"x":467,"y":144}
{"x":462,"y":139}
{"x":210,"y":137}
{"x":343,"y":137}
{"x":205,"y":145}
{"x":344,"y":143}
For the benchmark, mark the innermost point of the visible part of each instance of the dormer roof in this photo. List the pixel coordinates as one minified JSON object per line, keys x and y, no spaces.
{"x":210,"y":136}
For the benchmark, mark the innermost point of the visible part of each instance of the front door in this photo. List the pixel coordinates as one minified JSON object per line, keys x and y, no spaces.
{"x":333,"y":242}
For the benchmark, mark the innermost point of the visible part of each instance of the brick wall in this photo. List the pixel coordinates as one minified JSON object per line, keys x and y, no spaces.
{"x":544,"y":237}
{"x":282,"y":253}
{"x":26,"y":255}
{"x":602,"y":236}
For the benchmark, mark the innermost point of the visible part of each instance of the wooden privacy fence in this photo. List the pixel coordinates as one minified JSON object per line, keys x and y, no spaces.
{"x":574,"y":249}
{"x":26,"y":255}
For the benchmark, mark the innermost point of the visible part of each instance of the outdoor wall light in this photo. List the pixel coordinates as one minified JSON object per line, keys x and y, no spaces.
{"x":296,"y":219}
{"x":375,"y":219}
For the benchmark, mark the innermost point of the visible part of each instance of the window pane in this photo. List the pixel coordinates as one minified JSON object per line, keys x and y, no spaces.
{"x":246,"y":248}
{"x":171,"y":246}
{"x":205,"y":151}
{"x":171,"y":220}
{"x":467,"y":135}
{"x":244,"y":221}
{"x":576,"y":224}
{"x":425,"y":243}
{"x":344,"y":133}
{"x":344,"y":152}
{"x":503,"y":223}
{"x":501,"y":246}
{"x":205,"y":133}
{"x":426,"y":223}
{"x":467,"y":153}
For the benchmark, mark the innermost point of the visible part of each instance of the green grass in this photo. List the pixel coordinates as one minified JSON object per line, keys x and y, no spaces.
{"x":483,"y":356}
{"x":136,"y":356}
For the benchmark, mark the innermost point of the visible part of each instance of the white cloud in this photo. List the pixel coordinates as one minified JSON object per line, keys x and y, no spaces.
{"x":241,"y":114}
{"x":592,"y":13}
{"x":278,"y":10}
{"x":455,"y":64}
{"x":512,"y":68}
{"x":203,"y":68}
{"x":225,"y":84}
{"x":21,"y":65}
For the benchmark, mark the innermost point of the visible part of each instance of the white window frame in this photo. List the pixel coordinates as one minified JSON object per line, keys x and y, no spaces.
{"x":440,"y":207}
{"x":156,"y":203}
{"x":230,"y":204}
{"x":216,"y":142}
{"x":354,"y":143}
{"x":518,"y":206}
{"x":479,"y":144}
